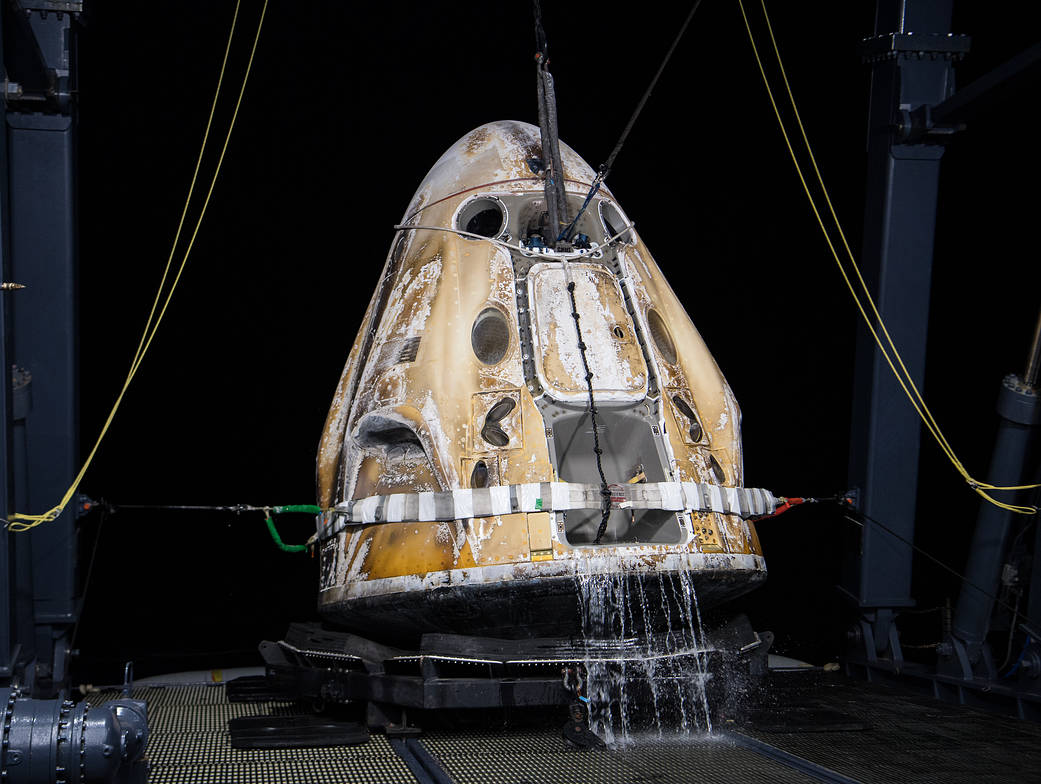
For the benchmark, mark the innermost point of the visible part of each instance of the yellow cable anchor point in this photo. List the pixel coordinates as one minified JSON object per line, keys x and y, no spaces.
{"x":23,"y":522}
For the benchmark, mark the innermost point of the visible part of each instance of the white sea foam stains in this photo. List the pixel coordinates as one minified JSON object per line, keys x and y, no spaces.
{"x":617,"y":366}
{"x":432,"y":419}
{"x":404,"y":437}
{"x":444,"y":534}
{"x":646,"y":652}
{"x":478,"y":532}
{"x":355,"y":553}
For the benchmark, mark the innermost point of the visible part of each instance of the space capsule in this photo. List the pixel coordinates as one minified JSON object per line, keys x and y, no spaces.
{"x":459,"y":465}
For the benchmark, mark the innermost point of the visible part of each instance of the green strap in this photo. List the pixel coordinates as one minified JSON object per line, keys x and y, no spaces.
{"x":291,"y":508}
{"x":300,"y":508}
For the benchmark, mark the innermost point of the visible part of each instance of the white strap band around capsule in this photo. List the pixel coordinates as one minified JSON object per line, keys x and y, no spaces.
{"x":543,"y":497}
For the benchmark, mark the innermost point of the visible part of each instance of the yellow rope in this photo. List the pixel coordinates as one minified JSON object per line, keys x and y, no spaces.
{"x":24,"y":522}
{"x":904,"y":378}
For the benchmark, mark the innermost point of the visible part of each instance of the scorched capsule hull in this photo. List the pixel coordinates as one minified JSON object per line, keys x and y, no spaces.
{"x":458,"y":458}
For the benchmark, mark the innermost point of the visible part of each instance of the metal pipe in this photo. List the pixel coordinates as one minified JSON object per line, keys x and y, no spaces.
{"x":56,"y":741}
{"x":1020,"y":410}
{"x":990,"y":538}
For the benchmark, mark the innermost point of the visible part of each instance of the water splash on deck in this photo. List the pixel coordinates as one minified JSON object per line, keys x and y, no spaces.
{"x":645,"y":652}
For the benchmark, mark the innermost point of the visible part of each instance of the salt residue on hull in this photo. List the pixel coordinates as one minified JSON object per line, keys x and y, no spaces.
{"x":412,"y":412}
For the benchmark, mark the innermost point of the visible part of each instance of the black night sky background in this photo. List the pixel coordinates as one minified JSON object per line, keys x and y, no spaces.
{"x":346,"y":109}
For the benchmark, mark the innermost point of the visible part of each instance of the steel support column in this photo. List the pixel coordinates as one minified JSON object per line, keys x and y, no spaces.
{"x":899,"y":224}
{"x":42,"y":342}
{"x":43,"y":250}
{"x":7,"y":575}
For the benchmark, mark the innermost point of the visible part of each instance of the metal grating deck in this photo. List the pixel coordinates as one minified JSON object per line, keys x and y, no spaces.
{"x":189,"y":743}
{"x":908,"y":738}
{"x":539,"y":757}
{"x":903,"y":738}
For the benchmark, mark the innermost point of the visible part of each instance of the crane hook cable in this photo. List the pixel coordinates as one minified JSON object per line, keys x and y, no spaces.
{"x":556,"y":201}
{"x":605,"y":167}
{"x":904,"y":379}
{"x":18,"y":523}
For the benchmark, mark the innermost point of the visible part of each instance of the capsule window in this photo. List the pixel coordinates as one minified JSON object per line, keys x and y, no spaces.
{"x":660,"y":335}
{"x":717,"y":470}
{"x":479,"y":476}
{"x":490,"y":336}
{"x":492,"y":431}
{"x":485,"y":216}
{"x":614,"y":222}
{"x":695,"y":431}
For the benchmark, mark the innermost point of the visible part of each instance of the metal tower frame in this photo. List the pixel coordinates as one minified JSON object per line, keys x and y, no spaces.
{"x":914,"y":111}
{"x":39,"y":330}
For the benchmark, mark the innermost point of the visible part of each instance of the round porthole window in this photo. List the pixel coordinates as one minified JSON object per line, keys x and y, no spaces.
{"x":660,"y":335}
{"x":490,"y":336}
{"x":484,"y":215}
{"x":614,"y":222}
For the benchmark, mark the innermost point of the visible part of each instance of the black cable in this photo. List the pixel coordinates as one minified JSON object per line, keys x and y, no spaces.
{"x":1011,"y":636}
{"x":541,"y":45}
{"x":605,"y":491}
{"x":920,"y":610}
{"x":639,"y":107}
{"x":104,"y":511}
{"x":941,"y":564}
{"x":557,"y":202}
{"x":565,"y":235}
{"x":605,"y":167}
{"x":187,"y":508}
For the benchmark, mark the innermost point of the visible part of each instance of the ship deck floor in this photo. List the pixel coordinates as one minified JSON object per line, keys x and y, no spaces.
{"x":824,"y":729}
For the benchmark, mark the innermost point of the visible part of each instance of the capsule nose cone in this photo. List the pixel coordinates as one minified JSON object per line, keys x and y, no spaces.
{"x":494,"y":153}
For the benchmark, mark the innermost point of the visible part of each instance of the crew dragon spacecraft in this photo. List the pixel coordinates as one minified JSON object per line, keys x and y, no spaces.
{"x":479,"y":454}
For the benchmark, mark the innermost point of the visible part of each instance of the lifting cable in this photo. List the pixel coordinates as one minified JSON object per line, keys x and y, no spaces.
{"x":556,"y":200}
{"x":558,"y":209}
{"x":891,"y":354}
{"x":552,"y":164}
{"x":24,"y":522}
{"x":605,"y":167}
